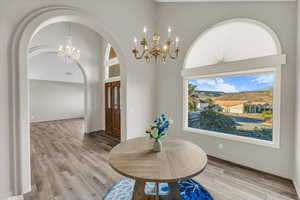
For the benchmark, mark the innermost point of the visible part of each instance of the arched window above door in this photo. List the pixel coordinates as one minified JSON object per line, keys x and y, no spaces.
{"x":231,"y":41}
{"x":112,"y":65}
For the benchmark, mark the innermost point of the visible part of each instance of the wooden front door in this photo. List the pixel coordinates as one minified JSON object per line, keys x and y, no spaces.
{"x":112,"y":108}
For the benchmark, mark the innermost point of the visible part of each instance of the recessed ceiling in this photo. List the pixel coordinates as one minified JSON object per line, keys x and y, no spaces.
{"x":50,"y":67}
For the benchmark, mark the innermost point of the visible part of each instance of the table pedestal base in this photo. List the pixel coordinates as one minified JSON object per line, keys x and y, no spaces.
{"x":174,"y":193}
{"x":139,"y":192}
{"x":128,"y":189}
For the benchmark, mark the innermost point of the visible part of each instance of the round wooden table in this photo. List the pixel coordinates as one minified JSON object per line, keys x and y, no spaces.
{"x":179,"y":160}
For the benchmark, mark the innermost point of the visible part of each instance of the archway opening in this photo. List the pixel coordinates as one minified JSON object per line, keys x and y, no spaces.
{"x":30,"y":26}
{"x":58,"y":90}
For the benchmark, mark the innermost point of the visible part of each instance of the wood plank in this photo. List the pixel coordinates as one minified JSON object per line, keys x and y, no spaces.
{"x":135,"y":159}
{"x":70,"y":165}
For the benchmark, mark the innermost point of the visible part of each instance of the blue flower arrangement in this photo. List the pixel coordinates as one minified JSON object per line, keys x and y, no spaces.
{"x":159,"y":127}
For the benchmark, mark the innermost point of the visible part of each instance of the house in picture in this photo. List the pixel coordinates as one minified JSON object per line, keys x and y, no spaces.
{"x":236,"y":106}
{"x":230,"y":106}
{"x":201,"y":105}
{"x":257,"y":107}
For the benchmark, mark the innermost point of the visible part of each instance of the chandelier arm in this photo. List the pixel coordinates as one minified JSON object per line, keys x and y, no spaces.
{"x":135,"y":51}
{"x":176,"y":51}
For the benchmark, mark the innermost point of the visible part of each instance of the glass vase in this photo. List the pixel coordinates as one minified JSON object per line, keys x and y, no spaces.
{"x":157,"y":146}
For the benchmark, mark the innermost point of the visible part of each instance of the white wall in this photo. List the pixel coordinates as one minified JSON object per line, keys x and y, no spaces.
{"x":189,"y":21}
{"x":119,"y":19}
{"x":54,"y":100}
{"x":297,"y":131}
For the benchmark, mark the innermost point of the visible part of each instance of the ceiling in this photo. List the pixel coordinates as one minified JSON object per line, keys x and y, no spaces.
{"x":186,"y":1}
{"x":50,"y":67}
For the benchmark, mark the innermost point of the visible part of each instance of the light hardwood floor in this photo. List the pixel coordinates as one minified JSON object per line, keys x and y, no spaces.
{"x":68,"y":165}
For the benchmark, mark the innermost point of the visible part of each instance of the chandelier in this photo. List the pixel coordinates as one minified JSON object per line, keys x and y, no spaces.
{"x":154,"y":49}
{"x":69,"y":52}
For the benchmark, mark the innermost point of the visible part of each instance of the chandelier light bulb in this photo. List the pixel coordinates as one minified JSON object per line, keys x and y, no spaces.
{"x":169,"y":31}
{"x":165,"y":47}
{"x":177,"y":41}
{"x":145,"y":31}
{"x":135,"y":42}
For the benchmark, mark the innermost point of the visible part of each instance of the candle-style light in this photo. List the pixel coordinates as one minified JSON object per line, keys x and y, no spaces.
{"x":135,"y":42}
{"x":145,"y":31}
{"x":176,"y":41}
{"x":157,"y":50}
{"x":169,"y":32}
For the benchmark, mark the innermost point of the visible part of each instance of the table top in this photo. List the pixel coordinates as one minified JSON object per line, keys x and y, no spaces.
{"x":178,"y":160}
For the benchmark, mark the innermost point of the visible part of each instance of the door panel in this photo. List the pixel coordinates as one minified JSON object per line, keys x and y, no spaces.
{"x":112,"y":107}
{"x":108,"y":109}
{"x":116,"y":122}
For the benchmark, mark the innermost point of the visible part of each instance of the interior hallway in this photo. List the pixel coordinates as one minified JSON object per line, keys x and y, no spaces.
{"x":68,"y":165}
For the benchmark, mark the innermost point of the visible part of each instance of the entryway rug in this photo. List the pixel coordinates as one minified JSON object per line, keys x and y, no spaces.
{"x":189,"y":190}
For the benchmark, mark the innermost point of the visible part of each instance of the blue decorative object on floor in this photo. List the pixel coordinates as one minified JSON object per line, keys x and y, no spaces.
{"x":189,"y":190}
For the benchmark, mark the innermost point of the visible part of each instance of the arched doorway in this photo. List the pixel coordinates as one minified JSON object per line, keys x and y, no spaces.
{"x":19,"y":61}
{"x":112,"y":84}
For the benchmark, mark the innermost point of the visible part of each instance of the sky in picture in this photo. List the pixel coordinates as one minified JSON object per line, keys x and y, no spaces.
{"x":232,"y":84}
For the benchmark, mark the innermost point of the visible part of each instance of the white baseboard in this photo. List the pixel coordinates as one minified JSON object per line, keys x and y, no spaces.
{"x":95,"y":130}
{"x":4,"y":196}
{"x":20,"y":197}
{"x":58,"y":119}
{"x":297,"y":187}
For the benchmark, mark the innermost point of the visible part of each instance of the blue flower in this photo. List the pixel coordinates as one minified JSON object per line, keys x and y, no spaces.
{"x":159,"y":127}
